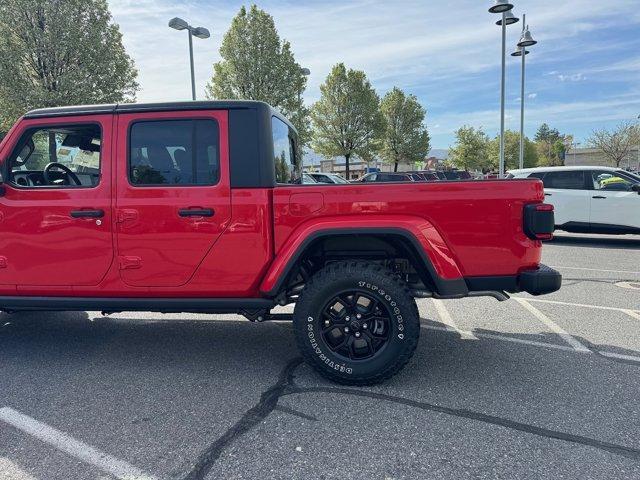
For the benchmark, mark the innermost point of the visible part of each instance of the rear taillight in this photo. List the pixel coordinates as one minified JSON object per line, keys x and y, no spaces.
{"x":539,"y":221}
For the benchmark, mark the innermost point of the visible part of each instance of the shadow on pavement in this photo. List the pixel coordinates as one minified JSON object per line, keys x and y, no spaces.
{"x":631,"y":242}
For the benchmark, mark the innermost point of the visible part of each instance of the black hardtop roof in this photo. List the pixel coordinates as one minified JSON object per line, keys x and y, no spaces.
{"x":153,"y":107}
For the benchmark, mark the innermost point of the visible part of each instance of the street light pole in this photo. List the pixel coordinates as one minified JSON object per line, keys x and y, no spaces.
{"x":638,"y":134}
{"x":503,"y":7}
{"x":199,"y":32}
{"x":502,"y":94}
{"x":521,"y":51}
{"x":193,"y":75}
{"x":305,"y":72}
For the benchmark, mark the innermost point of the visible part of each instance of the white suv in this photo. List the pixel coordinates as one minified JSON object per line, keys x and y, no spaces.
{"x":590,"y":199}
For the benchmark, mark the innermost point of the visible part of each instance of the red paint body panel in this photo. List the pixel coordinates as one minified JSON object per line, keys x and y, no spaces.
{"x":144,"y":249}
{"x":473,"y":228}
{"x":169,"y":247}
{"x":43,"y":245}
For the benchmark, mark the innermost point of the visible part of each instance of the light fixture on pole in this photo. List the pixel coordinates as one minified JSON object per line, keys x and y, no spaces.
{"x":198,"y":32}
{"x":521,"y":51}
{"x":503,"y":7}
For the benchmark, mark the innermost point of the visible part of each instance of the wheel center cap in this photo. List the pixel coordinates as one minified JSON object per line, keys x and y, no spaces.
{"x":355,"y":326}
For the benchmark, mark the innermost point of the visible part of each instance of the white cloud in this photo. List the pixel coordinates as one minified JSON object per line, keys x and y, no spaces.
{"x":402,"y":42}
{"x":576,"y":77}
{"x":413,"y":44}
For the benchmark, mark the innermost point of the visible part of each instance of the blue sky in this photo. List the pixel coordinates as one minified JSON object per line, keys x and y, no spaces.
{"x":583,"y":74}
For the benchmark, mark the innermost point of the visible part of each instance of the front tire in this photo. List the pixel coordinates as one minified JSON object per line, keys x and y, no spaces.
{"x":356,"y":323}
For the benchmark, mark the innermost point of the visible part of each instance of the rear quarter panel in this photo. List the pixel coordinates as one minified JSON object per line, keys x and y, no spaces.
{"x":480,"y":222}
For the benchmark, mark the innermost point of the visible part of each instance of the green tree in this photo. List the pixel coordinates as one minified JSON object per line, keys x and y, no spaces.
{"x":257,"y":65}
{"x":551,"y":145}
{"x":59,"y":52}
{"x":405,"y":137}
{"x":346,"y":120}
{"x":471,"y":150}
{"x":512,"y":151}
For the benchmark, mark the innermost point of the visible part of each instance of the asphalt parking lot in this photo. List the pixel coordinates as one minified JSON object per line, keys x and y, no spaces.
{"x":529,"y":388}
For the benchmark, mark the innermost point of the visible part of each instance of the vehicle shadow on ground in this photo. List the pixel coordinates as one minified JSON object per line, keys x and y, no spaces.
{"x":623,"y":242}
{"x":159,"y":357}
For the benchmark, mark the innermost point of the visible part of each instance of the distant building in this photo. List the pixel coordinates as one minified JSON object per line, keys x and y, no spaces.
{"x":588,"y":157}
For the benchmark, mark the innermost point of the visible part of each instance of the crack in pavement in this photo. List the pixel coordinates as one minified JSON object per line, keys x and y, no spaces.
{"x":251,"y":418}
{"x":286,"y":386}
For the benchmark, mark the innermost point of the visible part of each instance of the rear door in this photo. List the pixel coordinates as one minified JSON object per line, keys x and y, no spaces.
{"x":612,"y":200}
{"x":566,"y":190}
{"x":173,"y":197}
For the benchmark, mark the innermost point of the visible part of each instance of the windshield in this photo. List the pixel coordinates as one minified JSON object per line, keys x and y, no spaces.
{"x":628,"y":176}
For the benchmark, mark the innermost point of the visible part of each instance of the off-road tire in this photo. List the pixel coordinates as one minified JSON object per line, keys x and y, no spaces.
{"x":382,"y":286}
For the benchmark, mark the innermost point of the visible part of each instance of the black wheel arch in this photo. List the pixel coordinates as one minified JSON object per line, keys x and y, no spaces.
{"x":396,"y":240}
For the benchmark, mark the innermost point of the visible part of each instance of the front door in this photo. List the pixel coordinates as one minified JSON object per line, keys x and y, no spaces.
{"x":55,"y":215}
{"x":613,"y":203}
{"x":173,"y":196}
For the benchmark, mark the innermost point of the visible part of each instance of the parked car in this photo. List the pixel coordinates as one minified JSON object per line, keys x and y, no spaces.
{"x":202,"y":207}
{"x":308,"y":179}
{"x":424,"y":176}
{"x":590,"y":199}
{"x":323,"y":177}
{"x":457,"y":175}
{"x":386,"y":177}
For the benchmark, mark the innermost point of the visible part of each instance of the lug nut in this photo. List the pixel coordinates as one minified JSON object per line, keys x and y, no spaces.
{"x":347,"y":318}
{"x":346,"y":329}
{"x":326,"y":322}
{"x":357,"y":334}
{"x":358,"y":316}
{"x":365,"y":326}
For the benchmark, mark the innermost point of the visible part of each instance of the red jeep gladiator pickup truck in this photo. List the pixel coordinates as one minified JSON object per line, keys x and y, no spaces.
{"x":200,"y":207}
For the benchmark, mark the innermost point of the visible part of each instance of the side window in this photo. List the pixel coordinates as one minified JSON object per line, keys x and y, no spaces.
{"x":568,"y":180}
{"x":57,"y":156}
{"x":538,"y":175}
{"x":609,"y":181}
{"x":322,"y":179}
{"x":174,"y":152}
{"x":284,"y":152}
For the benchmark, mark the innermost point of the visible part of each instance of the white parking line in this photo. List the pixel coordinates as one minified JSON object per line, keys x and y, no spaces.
{"x":447,"y":320}
{"x":552,"y":325}
{"x":11,"y":471}
{"x":533,"y":343}
{"x":623,"y":357}
{"x":632,"y":313}
{"x":71,"y":446}
{"x":597,"y":270}
{"x":585,"y":305}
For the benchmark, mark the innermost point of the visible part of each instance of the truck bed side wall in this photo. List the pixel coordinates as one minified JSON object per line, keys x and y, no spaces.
{"x":479,"y":221}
